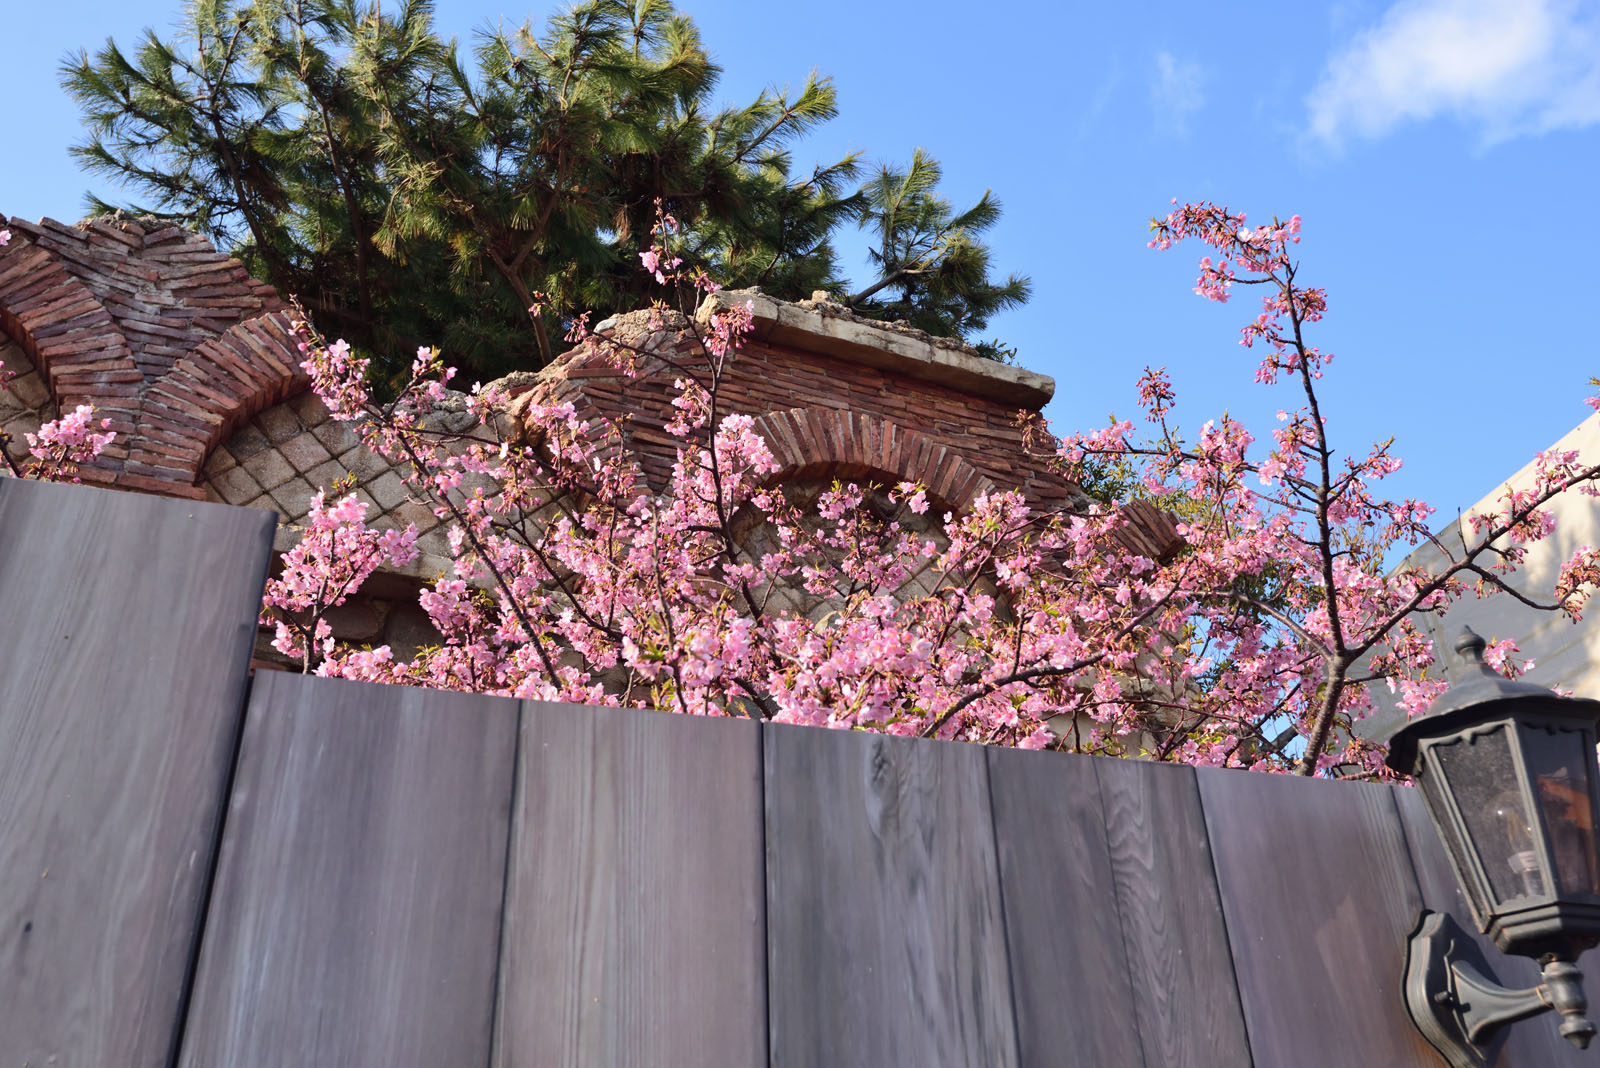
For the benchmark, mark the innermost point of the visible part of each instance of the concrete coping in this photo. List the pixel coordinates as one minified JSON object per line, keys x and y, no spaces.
{"x":831,"y":330}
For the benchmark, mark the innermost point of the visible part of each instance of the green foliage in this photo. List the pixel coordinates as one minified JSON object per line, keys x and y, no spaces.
{"x":412,"y":193}
{"x":930,"y":260}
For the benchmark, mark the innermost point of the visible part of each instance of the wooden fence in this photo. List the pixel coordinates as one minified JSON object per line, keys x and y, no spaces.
{"x":204,"y":871}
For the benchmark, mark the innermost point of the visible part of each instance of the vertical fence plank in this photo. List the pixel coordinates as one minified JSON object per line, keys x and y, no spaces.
{"x":126,"y":624}
{"x":1069,"y":965}
{"x":1533,"y":1043}
{"x":886,"y":940}
{"x":1319,"y":898}
{"x":356,"y":913}
{"x":634,"y":913}
{"x":1166,"y":892}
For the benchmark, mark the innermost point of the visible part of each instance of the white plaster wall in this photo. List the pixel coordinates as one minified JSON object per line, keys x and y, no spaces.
{"x":1565,"y":654}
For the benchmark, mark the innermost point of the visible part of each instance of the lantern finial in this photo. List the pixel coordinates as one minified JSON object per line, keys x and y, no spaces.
{"x":1470,"y":645}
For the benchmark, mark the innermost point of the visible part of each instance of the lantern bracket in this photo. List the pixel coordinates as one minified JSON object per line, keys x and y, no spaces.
{"x":1458,"y":1006}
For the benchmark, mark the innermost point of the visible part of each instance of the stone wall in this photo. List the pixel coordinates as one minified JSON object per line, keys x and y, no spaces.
{"x":170,"y":340}
{"x":838,"y":396}
{"x":284,"y":455}
{"x":25,"y":399}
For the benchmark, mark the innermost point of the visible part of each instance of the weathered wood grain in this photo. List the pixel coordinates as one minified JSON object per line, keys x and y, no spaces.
{"x":1166,"y":890}
{"x":634,"y":913}
{"x":1069,"y":963}
{"x":356,"y":914}
{"x":886,"y":941}
{"x":1319,"y":897}
{"x":126,"y":624}
{"x":1532,"y":1043}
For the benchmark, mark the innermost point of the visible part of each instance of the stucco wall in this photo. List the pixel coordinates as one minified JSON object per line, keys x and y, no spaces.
{"x":1566,"y":654}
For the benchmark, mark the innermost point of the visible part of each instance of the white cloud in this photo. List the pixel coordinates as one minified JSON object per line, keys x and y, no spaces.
{"x":1506,"y":67}
{"x":1177,"y":91}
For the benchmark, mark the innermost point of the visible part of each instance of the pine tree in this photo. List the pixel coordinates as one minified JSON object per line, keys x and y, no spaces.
{"x":412,"y":193}
{"x":929,"y":258}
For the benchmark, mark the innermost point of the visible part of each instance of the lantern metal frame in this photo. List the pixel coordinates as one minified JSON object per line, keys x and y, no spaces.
{"x":1450,"y":992}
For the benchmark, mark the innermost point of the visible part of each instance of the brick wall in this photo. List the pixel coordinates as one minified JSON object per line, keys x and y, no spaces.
{"x":171,"y":340}
{"x":834,"y":395}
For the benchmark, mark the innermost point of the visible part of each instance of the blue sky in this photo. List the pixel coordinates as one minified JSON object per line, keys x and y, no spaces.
{"x":1443,"y":154}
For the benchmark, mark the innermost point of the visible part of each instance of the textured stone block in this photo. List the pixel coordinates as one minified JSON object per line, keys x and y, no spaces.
{"x":279,"y":424}
{"x":323,"y":476}
{"x":16,"y":434}
{"x":219,"y":461}
{"x":435,"y":548}
{"x":415,"y":512}
{"x":474,"y":482}
{"x":310,"y":409}
{"x":25,"y":422}
{"x":248,"y":442}
{"x":335,"y":436}
{"x":389,"y":490}
{"x":357,"y":621}
{"x":407,"y":629}
{"x":28,"y":388}
{"x":365,"y":464}
{"x":236,"y":486}
{"x":288,"y":535}
{"x":268,"y":468}
{"x":294,"y":497}
{"x":304,"y":452}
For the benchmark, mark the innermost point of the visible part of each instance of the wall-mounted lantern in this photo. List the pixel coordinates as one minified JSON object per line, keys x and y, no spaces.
{"x":1508,"y":773}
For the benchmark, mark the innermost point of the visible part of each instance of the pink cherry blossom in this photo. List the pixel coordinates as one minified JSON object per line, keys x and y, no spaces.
{"x":1259,"y":640}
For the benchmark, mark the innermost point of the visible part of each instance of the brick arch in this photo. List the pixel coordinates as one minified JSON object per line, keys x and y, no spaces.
{"x":68,"y":333}
{"x":169,"y":339}
{"x":818,"y":440}
{"x":210,"y":393}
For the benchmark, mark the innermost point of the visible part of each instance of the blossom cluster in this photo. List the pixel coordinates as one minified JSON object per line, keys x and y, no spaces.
{"x":60,"y":445}
{"x":335,"y":556}
{"x":1257,"y":642}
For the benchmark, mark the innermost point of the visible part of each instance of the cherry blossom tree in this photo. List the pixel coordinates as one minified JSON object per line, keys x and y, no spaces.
{"x":1257,"y":643}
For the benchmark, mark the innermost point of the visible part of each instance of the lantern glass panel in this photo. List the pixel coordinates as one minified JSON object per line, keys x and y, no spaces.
{"x":1483,"y":778}
{"x":1559,"y":762}
{"x":1433,"y":792}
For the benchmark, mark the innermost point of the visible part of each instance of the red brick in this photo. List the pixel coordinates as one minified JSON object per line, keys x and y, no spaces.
{"x":109,"y":341}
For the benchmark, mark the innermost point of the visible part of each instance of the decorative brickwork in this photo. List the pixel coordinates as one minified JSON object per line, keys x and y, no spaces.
{"x":163,"y":335}
{"x":884,"y":403}
{"x":185,"y":353}
{"x":819,"y":442}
